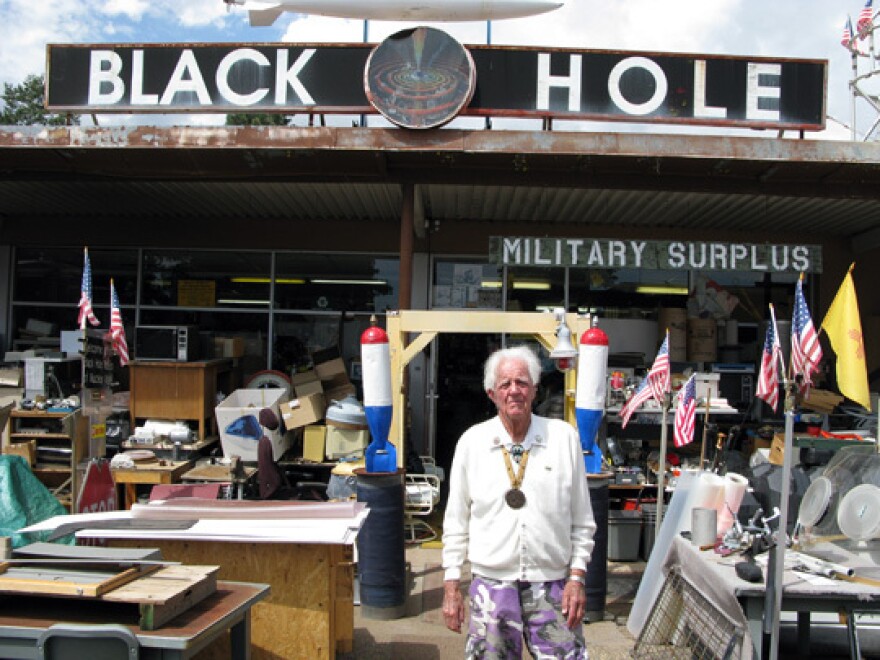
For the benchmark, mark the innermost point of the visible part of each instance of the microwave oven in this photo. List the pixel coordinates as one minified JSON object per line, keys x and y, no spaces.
{"x":179,"y":343}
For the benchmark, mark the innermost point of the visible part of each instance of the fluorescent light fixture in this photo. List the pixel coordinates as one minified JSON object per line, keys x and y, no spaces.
{"x":532,"y":285}
{"x":236,"y":301}
{"x":663,"y":289}
{"x":490,"y":284}
{"x":334,"y":281}
{"x":266,"y":280}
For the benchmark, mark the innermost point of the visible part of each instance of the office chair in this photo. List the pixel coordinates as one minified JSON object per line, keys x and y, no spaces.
{"x":71,"y":641}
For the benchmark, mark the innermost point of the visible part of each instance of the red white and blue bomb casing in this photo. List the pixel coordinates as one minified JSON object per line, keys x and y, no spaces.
{"x":376,"y":368}
{"x":590,"y":400}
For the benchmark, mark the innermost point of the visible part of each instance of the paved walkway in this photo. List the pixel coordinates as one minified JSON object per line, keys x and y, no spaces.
{"x":421,"y":633}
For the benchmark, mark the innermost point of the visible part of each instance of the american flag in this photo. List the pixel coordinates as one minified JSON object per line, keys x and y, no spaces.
{"x":847,"y":39}
{"x":865,"y":19}
{"x":686,"y":413}
{"x":806,"y":353}
{"x":641,"y":395}
{"x":768,"y":378}
{"x":117,"y":329}
{"x":658,"y":376}
{"x":85,"y":298}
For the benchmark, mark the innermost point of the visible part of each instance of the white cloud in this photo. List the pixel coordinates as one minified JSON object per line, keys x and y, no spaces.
{"x":776,"y":28}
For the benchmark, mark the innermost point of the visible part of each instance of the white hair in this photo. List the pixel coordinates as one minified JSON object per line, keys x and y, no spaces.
{"x":520,"y":353}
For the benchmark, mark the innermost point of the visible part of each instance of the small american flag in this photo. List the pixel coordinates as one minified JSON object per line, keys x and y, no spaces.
{"x":865,"y":19}
{"x":806,"y":353}
{"x":641,"y":395}
{"x":85,"y":298}
{"x":768,"y":378}
{"x":658,"y":376}
{"x":117,"y":329}
{"x":847,"y":39}
{"x":686,"y":413}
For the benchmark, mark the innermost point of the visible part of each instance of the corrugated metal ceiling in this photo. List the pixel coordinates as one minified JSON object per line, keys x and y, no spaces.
{"x":808,"y":189}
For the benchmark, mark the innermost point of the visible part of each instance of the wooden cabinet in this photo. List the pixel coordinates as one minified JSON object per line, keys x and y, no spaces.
{"x":60,"y":442}
{"x":184,"y":391}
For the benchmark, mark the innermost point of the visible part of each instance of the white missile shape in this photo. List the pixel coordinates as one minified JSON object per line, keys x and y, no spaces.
{"x":590,"y":399}
{"x":381,"y":455}
{"x":262,"y":13}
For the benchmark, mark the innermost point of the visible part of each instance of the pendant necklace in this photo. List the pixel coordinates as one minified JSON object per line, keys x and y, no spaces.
{"x":514,"y":497}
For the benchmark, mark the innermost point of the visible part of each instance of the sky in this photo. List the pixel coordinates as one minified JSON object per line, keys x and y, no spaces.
{"x":809,"y":29}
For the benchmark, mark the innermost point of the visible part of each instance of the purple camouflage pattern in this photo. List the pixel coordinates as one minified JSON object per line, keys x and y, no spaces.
{"x":503,"y":614}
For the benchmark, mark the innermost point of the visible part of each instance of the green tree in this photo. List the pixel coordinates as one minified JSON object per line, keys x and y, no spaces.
{"x":23,"y":105}
{"x":257,"y":119}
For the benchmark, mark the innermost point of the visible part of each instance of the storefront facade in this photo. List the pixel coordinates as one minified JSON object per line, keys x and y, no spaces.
{"x":293,"y":237}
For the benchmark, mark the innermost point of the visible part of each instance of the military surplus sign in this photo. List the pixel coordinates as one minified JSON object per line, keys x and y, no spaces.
{"x":659,"y":255}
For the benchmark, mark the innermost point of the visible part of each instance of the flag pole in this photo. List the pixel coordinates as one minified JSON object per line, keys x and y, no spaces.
{"x":661,"y":463}
{"x":776,"y":557}
{"x":705,"y":427}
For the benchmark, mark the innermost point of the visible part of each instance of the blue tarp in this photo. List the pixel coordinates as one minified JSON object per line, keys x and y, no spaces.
{"x":24,"y":500}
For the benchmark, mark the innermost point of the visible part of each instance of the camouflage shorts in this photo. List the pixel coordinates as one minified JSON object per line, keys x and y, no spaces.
{"x":503,"y":614}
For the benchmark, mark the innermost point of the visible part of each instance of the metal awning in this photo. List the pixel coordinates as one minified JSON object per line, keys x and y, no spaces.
{"x":646,"y":182}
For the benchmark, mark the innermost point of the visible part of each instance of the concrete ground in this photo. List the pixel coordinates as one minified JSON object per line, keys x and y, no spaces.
{"x":420,"y":632}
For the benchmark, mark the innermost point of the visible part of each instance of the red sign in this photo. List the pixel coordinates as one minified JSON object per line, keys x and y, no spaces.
{"x":98,"y":492}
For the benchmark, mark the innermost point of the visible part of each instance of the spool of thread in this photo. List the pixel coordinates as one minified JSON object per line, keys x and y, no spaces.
{"x":704,"y":526}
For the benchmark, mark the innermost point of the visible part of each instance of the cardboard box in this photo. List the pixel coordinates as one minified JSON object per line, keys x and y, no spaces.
{"x":339,"y":393}
{"x":228,"y":347}
{"x":303,"y":410}
{"x":346,"y":442}
{"x":305,"y":383}
{"x":777,"y":449}
{"x":331,"y":370}
{"x":238,"y":419}
{"x":314,"y":439}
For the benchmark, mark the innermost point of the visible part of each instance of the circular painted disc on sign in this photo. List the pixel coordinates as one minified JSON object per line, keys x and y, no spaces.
{"x":420,"y":78}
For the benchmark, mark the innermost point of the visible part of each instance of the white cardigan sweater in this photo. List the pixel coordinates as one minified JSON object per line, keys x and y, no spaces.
{"x":542,"y":541}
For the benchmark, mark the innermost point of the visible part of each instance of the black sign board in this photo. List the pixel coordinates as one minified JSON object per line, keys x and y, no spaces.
{"x":660,"y":255}
{"x":511,"y":81}
{"x":97,"y":360}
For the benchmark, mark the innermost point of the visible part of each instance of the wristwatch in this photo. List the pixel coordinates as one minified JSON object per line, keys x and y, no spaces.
{"x":578,"y":578}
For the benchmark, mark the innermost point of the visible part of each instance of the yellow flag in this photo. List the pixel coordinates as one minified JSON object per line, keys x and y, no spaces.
{"x":844,"y":328}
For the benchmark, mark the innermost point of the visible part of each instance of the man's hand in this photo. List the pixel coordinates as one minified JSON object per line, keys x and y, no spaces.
{"x":453,"y":605}
{"x":574,"y":603}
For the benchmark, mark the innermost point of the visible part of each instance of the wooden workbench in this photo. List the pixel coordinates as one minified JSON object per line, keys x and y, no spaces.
{"x":185,"y":391}
{"x":155,"y":472}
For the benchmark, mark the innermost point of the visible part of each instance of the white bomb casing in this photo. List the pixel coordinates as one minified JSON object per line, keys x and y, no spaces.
{"x":376,"y":367}
{"x":592,"y":367}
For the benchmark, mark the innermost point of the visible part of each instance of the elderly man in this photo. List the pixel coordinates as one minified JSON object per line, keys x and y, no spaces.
{"x":519,"y":511}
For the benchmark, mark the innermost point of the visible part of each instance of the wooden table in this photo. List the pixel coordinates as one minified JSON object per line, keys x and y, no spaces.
{"x":23,"y":620}
{"x":310,"y":613}
{"x":220,"y":474}
{"x":156,"y":472}
{"x":185,"y":391}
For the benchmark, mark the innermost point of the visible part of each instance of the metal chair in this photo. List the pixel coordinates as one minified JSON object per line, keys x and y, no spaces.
{"x":422,"y":495}
{"x":71,"y":641}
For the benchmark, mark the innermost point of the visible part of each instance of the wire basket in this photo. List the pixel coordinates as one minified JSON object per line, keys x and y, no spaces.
{"x":685,"y":624}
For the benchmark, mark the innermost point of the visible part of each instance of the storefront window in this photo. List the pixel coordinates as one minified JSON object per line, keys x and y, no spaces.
{"x":344,"y":282}
{"x":466,"y":285}
{"x":191,"y":278}
{"x":54,"y":275}
{"x":535,"y":289}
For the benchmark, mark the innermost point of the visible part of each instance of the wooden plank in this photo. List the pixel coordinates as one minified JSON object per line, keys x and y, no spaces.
{"x":167,"y":593}
{"x":59,"y":580}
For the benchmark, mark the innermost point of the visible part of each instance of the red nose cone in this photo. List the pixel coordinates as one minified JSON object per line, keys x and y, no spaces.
{"x":374,"y":335}
{"x":594,"y":337}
